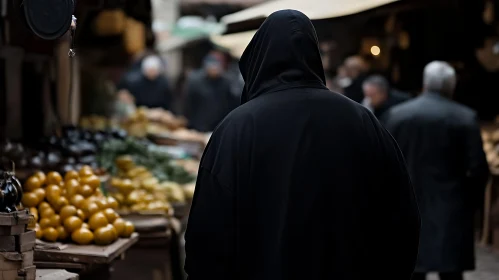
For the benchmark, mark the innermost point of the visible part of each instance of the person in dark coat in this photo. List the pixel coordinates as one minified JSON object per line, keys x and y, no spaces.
{"x":297,"y":182}
{"x":442,"y":144}
{"x":379,"y":97}
{"x":149,"y":86}
{"x":356,"y":69}
{"x":209,"y":96}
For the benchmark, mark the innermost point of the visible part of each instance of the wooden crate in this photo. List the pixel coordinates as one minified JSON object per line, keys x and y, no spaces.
{"x":17,"y":244}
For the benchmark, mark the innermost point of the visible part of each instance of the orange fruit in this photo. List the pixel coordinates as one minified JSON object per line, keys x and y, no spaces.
{"x":77,"y":200}
{"x":72,"y":223}
{"x":119,"y":225}
{"x":97,"y":220}
{"x":41,"y":176}
{"x":53,"y":192}
{"x":30,"y":199}
{"x":60,"y":202}
{"x":102,"y":203}
{"x":80,"y":214}
{"x":90,"y":208}
{"x":40,"y":192}
{"x":103,"y":236}
{"x":55,"y":221}
{"x":54,"y":178}
{"x":67,"y":211}
{"x":113,"y":203}
{"x":62,"y":233}
{"x":82,"y":236}
{"x":129,"y":229}
{"x":45,"y":223}
{"x":71,"y":187}
{"x":50,"y":234}
{"x":113,"y":231}
{"x":38,"y":232}
{"x":85,"y":190}
{"x":92,"y":180}
{"x":111,"y":215}
{"x":32,"y":183}
{"x":72,"y":174}
{"x":34,"y":212}
{"x":98,"y":192}
{"x":47,"y":213}
{"x":85,"y":171}
{"x":43,"y":205}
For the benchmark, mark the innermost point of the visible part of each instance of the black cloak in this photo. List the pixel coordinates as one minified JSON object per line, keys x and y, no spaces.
{"x":299,"y":182}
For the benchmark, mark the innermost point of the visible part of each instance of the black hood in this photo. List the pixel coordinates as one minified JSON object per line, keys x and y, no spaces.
{"x":284,"y":53}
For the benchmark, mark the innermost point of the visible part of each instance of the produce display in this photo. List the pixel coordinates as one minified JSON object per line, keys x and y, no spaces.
{"x":149,"y":121}
{"x":73,"y":208}
{"x":152,"y":121}
{"x":136,"y":188}
{"x":143,"y":153}
{"x":72,"y":149}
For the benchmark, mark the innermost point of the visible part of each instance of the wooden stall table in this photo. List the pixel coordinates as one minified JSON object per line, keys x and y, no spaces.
{"x":90,"y":261}
{"x":55,"y":274}
{"x":154,"y":257}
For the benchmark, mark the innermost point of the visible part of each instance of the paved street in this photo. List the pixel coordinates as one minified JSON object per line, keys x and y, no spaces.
{"x":487,"y":266}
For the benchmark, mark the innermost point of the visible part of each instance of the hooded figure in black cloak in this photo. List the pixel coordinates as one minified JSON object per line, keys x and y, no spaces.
{"x":299,"y":182}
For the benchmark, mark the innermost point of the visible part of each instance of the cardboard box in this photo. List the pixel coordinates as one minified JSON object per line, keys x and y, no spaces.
{"x":14,"y":261}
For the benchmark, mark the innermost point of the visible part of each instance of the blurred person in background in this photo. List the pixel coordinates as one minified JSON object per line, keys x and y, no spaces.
{"x":209,"y":95}
{"x":340,"y":81}
{"x":283,"y":192}
{"x":441,"y":142}
{"x":356,"y":69}
{"x":379,"y":97}
{"x":149,"y":86}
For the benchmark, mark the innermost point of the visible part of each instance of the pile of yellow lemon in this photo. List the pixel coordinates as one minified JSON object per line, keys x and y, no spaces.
{"x":73,"y":208}
{"x":136,"y":189}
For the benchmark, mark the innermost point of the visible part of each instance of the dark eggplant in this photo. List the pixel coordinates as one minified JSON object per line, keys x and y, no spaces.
{"x":87,"y":159}
{"x":99,"y":137}
{"x":94,"y":165}
{"x":36,"y":162}
{"x":19,"y":189}
{"x":7,"y":147}
{"x":69,"y":160}
{"x":67,"y":167}
{"x":118,"y":133}
{"x":53,"y":159}
{"x":87,"y":135}
{"x":22,"y":162}
{"x":74,"y":150}
{"x":10,"y":195}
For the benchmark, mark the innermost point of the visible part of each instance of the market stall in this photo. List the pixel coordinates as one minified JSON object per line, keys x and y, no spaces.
{"x":90,"y":261}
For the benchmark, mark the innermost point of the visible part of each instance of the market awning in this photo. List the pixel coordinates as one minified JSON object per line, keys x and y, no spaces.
{"x":235,"y":43}
{"x":314,"y":9}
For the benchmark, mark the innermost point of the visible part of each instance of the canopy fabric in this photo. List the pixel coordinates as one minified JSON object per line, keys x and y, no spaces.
{"x":235,"y":43}
{"x":314,"y":9}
